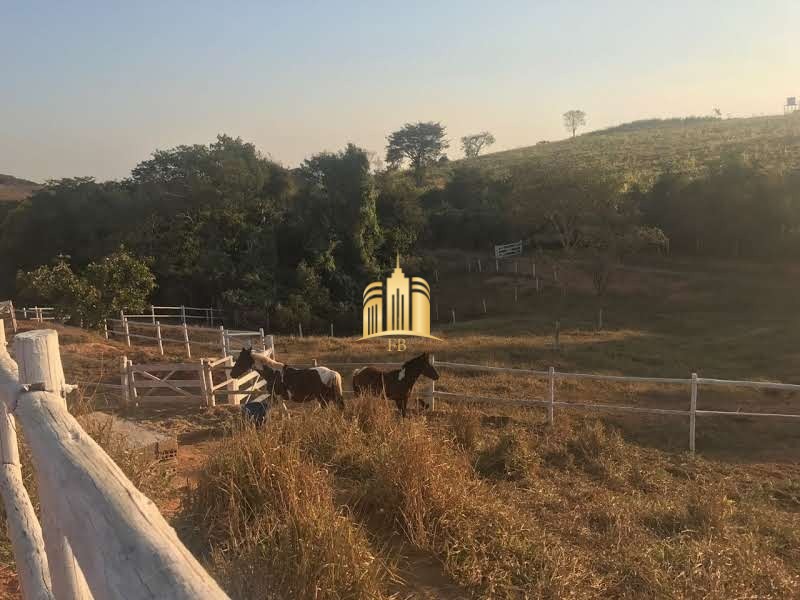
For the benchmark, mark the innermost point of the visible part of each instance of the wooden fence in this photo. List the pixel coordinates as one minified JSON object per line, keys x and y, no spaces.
{"x":199,"y":383}
{"x":178,"y":313}
{"x":692,"y":384}
{"x":99,"y":537}
{"x":227,"y":341}
{"x":507,"y":250}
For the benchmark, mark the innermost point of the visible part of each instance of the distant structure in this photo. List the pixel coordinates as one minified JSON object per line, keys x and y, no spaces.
{"x":790,"y":106}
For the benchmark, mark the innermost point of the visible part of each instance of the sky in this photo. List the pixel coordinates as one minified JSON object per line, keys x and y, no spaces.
{"x":92,"y":88}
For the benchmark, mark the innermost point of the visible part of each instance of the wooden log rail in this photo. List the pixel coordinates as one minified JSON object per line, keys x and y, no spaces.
{"x":102,"y":538}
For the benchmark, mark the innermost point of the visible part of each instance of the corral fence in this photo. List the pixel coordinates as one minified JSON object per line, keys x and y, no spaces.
{"x":227,"y":341}
{"x":199,"y":383}
{"x":99,"y":537}
{"x":183,"y":314}
{"x":429,"y":394}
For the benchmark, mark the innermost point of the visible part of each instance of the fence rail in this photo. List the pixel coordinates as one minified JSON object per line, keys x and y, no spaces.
{"x":99,"y":537}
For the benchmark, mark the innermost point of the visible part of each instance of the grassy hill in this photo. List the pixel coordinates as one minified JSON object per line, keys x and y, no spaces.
{"x":13,"y":189}
{"x":640,"y":150}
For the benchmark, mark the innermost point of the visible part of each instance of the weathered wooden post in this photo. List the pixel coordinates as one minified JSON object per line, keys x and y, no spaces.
{"x":300,"y":329}
{"x":331,"y":329}
{"x":158,"y":337}
{"x":496,"y":266}
{"x":537,"y":284}
{"x":692,"y":412}
{"x":13,"y":316}
{"x":264,"y":339}
{"x":134,"y":395}
{"x":516,"y":267}
{"x":210,"y":316}
{"x":555,"y":273}
{"x":233,"y":384}
{"x":551,"y":396}
{"x":436,"y":275}
{"x":183,"y":314}
{"x":453,"y":313}
{"x":206,"y":382}
{"x":480,"y":270}
{"x":39,"y":362}
{"x":186,"y":344}
{"x":153,"y":313}
{"x":37,"y":316}
{"x":24,"y":530}
{"x":533,"y":270}
{"x":105,"y":328}
{"x":484,"y":305}
{"x":222,"y":340}
{"x":123,"y":380}
{"x":25,"y":312}
{"x":127,"y":332}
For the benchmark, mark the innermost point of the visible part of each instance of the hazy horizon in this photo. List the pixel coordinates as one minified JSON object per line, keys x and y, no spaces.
{"x":94,"y":89}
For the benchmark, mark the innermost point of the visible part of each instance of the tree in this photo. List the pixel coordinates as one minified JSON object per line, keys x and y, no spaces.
{"x":574,"y":119}
{"x":473,"y":144}
{"x":421,"y":144}
{"x":118,"y":281}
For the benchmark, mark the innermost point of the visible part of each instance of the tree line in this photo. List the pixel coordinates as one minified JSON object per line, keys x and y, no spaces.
{"x":221,"y":224}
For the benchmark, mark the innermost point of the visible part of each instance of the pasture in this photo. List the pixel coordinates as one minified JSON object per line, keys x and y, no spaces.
{"x":487,"y":501}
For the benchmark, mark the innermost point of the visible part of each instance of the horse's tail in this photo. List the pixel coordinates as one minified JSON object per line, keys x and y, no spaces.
{"x":337,"y":389}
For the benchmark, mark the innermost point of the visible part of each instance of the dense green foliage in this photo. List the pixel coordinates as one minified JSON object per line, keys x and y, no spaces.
{"x":118,"y":281}
{"x":223,"y":225}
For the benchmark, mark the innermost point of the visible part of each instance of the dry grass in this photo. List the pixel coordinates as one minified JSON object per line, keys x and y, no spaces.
{"x":511,"y":507}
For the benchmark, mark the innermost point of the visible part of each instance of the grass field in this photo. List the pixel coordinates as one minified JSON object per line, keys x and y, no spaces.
{"x":641,"y":154}
{"x":491,"y":502}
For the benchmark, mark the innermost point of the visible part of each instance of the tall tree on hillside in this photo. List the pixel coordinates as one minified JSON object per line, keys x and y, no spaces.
{"x":422,"y":144}
{"x":574,"y":119}
{"x":474,"y":143}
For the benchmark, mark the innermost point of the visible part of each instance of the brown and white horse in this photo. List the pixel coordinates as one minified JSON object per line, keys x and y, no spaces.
{"x":396,"y":384}
{"x":299,"y":385}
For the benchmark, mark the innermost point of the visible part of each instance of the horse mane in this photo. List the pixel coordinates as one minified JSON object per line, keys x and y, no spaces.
{"x":264,"y":360}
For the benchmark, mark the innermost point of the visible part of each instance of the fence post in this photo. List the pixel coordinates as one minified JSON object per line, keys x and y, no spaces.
{"x":158,"y":337}
{"x":210,"y":316}
{"x":127,"y":332}
{"x":515,"y":294}
{"x":430,"y":389}
{"x":555,"y":272}
{"x":453,"y":313}
{"x":153,"y":313}
{"x":186,"y":341}
{"x":537,"y":283}
{"x":331,"y":329}
{"x":233,"y":385}
{"x":480,"y":268}
{"x":263,"y":339}
{"x":436,"y":275}
{"x":516,"y":267}
{"x":692,"y":412}
{"x":24,"y":530}
{"x":105,"y":328}
{"x":39,"y":361}
{"x":300,"y":329}
{"x":134,"y":395}
{"x":469,"y":266}
{"x":533,"y":270}
{"x":183,"y":314}
{"x":496,"y":266}
{"x":551,"y":396}
{"x":205,"y":387}
{"x":222,"y":340}
{"x":123,"y":380}
{"x":36,"y":316}
{"x":484,"y":305}
{"x":558,"y":334}
{"x":271,"y":346}
{"x":25,"y":312}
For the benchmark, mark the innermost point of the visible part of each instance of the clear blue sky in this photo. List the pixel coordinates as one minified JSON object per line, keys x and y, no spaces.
{"x":92,"y":88}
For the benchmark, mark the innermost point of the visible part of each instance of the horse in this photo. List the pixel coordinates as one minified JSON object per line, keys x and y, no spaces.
{"x":395,"y":384}
{"x":300,"y":385}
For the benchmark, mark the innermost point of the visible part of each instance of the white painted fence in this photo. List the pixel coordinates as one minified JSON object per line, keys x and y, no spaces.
{"x":227,"y":341}
{"x":693,"y":384}
{"x":100,"y":537}
{"x":507,"y":250}
{"x":189,"y":382}
{"x":178,"y":313}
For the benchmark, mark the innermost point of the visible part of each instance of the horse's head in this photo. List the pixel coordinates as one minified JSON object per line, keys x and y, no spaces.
{"x":424,"y":365}
{"x":243,"y":363}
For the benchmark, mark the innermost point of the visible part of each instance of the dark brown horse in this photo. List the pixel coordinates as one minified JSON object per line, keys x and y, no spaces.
{"x":396,"y":384}
{"x":300,"y":385}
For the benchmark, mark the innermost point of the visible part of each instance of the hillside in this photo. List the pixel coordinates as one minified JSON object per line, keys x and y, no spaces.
{"x":641,"y":150}
{"x":13,"y":189}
